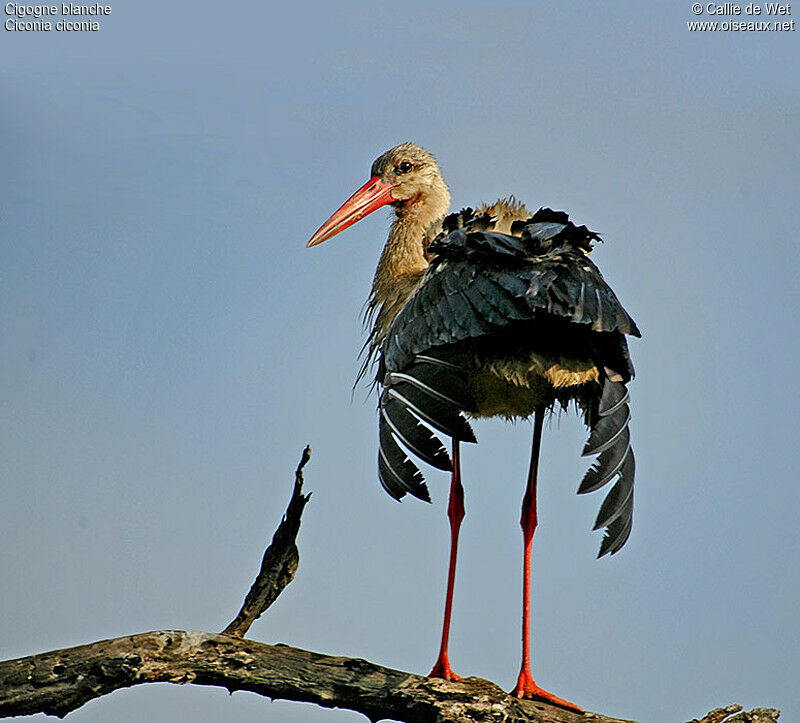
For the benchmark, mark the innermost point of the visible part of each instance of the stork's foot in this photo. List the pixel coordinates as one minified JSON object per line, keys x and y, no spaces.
{"x":526,"y":688}
{"x":442,"y":669}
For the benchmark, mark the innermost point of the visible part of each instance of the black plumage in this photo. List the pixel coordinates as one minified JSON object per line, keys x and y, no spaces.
{"x":491,"y":300}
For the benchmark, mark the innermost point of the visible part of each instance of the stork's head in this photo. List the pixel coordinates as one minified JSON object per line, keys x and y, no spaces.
{"x":408,"y":178}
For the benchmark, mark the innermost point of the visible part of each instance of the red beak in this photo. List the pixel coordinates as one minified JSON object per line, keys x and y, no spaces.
{"x":370,"y":197}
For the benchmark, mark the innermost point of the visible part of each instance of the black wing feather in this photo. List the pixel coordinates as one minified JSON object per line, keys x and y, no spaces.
{"x":502,"y":305}
{"x":413,"y":434}
{"x":403,"y":475}
{"x":607,"y":464}
{"x":618,"y":532}
{"x":617,"y":499}
{"x":614,"y":395}
{"x":610,"y":437}
{"x":606,"y":430}
{"x":445,"y":417}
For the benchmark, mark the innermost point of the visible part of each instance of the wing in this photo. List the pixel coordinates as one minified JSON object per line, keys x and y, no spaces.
{"x":480,"y":281}
{"x":479,"y":285}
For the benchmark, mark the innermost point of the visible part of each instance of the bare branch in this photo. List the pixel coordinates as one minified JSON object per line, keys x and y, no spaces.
{"x":736,"y":714}
{"x":280,"y":560}
{"x":63,"y":680}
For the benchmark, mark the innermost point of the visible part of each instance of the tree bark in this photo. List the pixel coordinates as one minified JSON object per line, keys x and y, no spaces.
{"x":58,"y":682}
{"x":63,"y":680}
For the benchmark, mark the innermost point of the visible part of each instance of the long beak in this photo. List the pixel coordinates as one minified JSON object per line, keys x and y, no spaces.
{"x":370,"y":197}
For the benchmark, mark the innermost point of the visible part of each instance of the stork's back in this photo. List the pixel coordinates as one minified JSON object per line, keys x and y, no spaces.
{"x":503,"y":213}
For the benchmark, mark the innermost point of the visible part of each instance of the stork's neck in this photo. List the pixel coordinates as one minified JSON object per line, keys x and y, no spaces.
{"x":402,"y":263}
{"x":404,"y":255}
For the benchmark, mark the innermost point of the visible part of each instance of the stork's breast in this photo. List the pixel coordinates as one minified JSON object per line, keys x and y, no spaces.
{"x":514,"y":387}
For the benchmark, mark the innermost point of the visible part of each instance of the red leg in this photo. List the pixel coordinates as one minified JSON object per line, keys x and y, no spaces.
{"x":526,"y":687}
{"x":455,"y":513}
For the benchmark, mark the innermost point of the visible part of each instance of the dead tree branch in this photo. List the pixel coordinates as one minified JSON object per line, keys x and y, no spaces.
{"x":280,"y":560}
{"x":61,"y":681}
{"x":736,"y":714}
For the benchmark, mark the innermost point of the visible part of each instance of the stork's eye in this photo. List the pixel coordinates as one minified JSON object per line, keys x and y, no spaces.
{"x":403,"y":167}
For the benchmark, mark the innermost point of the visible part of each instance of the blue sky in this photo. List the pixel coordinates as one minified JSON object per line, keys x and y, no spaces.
{"x":169,"y":346}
